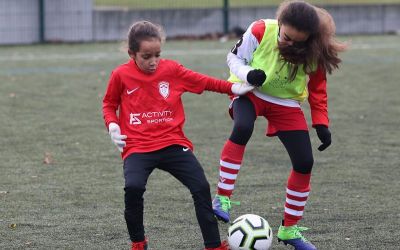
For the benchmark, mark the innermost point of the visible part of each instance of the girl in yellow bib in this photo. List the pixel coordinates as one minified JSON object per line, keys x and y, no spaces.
{"x":287,"y":60}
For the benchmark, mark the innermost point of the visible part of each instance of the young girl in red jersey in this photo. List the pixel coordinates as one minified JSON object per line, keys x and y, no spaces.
{"x":287,"y":59}
{"x":148,"y":129}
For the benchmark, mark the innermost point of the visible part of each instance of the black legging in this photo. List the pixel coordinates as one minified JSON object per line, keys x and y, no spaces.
{"x":296,"y":142}
{"x":183,"y":165}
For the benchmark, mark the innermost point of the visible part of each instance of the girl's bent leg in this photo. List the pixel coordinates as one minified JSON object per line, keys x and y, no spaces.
{"x":244,"y":116}
{"x":184,"y":166}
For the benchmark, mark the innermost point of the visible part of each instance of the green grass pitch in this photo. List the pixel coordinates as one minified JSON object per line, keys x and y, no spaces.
{"x":50,"y":104}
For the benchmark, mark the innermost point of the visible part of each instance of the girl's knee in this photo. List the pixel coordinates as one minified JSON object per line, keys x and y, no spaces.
{"x":304,"y":165}
{"x":241,"y":133}
{"x":134,"y":189}
{"x":244,"y":128}
{"x":200,"y":187}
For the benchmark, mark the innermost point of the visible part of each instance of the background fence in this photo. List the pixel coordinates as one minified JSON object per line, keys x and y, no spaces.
{"x":34,"y":21}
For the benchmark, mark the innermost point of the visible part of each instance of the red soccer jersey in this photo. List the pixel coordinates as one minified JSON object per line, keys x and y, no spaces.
{"x":151,"y":113}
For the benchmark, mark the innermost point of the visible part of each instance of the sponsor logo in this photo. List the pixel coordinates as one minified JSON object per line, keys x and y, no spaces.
{"x":134,"y":119}
{"x":163,"y":88}
{"x":151,"y":117}
{"x":221,"y":179}
{"x":131,"y":91}
{"x":185,"y":149}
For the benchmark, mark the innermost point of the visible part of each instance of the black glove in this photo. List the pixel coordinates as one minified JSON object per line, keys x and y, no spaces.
{"x":324,"y":136}
{"x":256,"y":77}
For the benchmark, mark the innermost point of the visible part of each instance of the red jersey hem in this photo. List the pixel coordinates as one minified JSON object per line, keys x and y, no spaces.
{"x":132,"y":150}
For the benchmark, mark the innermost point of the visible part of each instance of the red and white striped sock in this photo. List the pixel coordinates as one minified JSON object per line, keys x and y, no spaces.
{"x":230,"y":162}
{"x":297,"y":191}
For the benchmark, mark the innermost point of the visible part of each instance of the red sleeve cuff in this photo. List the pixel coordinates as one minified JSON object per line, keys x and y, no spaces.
{"x":319,"y":118}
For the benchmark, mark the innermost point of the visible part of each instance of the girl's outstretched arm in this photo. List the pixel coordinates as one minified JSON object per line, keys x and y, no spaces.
{"x":196,"y":83}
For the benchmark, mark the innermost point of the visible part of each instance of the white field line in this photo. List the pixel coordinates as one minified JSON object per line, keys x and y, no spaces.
{"x":166,"y":53}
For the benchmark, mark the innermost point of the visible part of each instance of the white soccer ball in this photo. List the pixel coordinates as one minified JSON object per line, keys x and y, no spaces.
{"x":250,"y":232}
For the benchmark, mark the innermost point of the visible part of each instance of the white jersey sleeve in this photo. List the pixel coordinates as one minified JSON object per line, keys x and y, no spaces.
{"x":241,"y":55}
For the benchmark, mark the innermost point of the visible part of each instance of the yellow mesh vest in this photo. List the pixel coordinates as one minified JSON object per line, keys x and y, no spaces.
{"x":266,"y":57}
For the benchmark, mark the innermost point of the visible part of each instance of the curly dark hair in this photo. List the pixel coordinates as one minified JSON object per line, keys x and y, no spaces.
{"x":320,"y":48}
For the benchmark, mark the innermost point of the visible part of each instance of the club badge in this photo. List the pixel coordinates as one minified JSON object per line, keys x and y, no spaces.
{"x":163,"y":88}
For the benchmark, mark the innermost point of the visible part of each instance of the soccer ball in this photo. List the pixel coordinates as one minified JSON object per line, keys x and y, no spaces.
{"x":250,"y":232}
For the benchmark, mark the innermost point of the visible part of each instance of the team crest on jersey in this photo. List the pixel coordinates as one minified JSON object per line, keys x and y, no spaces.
{"x":163,"y":88}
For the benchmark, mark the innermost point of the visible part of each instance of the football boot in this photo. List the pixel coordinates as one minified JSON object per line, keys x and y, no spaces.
{"x":142,"y":245}
{"x":221,"y":206}
{"x":292,"y":236}
{"x":224,"y":246}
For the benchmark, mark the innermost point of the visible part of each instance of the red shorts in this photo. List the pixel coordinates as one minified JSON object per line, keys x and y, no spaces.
{"x":280,"y":118}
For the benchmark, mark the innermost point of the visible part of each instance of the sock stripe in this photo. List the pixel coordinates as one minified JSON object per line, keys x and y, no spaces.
{"x":226,"y":186}
{"x":227,"y":175}
{"x":293,"y":212}
{"x":296,"y":203}
{"x":296,"y":198}
{"x":228,"y":170}
{"x":226,"y":181}
{"x":298,"y":194}
{"x":229,"y":165}
{"x":294,"y":207}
